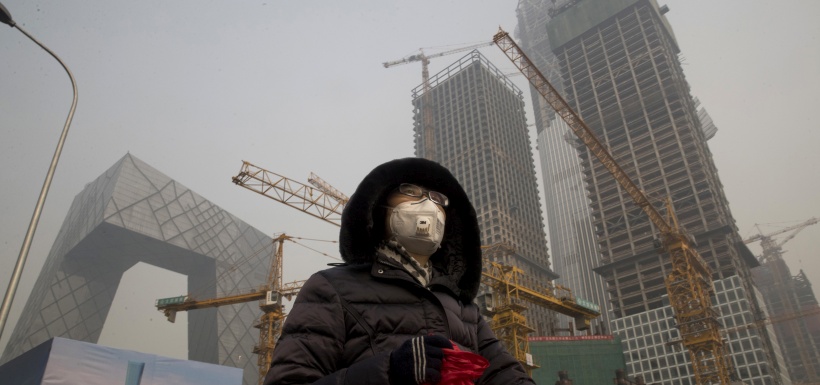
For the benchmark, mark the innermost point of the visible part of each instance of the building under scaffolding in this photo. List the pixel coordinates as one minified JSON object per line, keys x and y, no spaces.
{"x":573,"y":243}
{"x":480,"y":131}
{"x":791,"y":299}
{"x":619,"y":69}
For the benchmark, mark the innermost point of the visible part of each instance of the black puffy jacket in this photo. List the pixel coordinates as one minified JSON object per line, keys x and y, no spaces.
{"x":346,"y":320}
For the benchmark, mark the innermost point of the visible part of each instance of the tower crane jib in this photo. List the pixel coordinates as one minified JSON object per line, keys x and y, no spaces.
{"x":772,"y":250}
{"x":312,"y":201}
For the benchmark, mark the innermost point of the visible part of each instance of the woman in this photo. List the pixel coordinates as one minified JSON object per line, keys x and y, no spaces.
{"x":410,"y":242}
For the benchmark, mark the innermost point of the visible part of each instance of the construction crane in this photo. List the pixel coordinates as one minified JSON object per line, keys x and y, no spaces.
{"x":328,"y":189}
{"x":270,"y":301}
{"x":510,"y":324}
{"x":427,"y":126}
{"x":325,"y":203}
{"x":509,"y":298}
{"x":772,"y":250}
{"x":774,"y":320}
{"x":689,"y":284}
{"x":778,"y":287}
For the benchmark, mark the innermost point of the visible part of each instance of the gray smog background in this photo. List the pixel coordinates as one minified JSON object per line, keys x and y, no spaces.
{"x":195,"y":87}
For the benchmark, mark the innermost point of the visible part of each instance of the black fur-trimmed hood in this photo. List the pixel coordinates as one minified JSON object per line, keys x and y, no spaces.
{"x":363,"y":221}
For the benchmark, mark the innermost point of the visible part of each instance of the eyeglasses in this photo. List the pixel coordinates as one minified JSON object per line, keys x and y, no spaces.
{"x":418,"y":192}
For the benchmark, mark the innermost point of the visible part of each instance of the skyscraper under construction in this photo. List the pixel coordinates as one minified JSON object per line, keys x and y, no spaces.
{"x":616,"y":64}
{"x":480,"y":130}
{"x":572,"y":236}
{"x":794,"y":314}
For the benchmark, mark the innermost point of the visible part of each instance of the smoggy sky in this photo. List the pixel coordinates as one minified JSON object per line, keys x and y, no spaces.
{"x":195,"y":87}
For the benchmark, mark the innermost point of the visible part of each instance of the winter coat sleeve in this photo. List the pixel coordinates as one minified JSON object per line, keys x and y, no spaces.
{"x":311,"y":348}
{"x":504,"y":368}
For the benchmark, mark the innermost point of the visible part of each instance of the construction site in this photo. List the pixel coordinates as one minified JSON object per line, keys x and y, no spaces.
{"x":646,"y":279}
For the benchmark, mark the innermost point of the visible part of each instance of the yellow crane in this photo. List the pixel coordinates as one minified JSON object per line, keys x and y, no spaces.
{"x":771,"y":249}
{"x":270,"y":301}
{"x":510,"y":296}
{"x":427,"y":126}
{"x":317,"y":202}
{"x":327,"y":203}
{"x":689,"y":284}
{"x":323,"y":202}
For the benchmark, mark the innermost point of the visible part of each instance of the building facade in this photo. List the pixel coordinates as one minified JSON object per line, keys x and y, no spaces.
{"x":795,"y":317}
{"x":572,"y":236}
{"x":619,"y":69}
{"x":481,"y":136}
{"x":133,"y":213}
{"x":646,"y":340}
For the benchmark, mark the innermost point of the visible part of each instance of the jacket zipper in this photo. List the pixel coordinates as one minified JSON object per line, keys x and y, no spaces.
{"x":428,"y":293}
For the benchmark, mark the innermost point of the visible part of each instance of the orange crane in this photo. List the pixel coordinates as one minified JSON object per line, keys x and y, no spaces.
{"x":427,"y":127}
{"x":270,"y":301}
{"x":690,"y":282}
{"x":772,"y":250}
{"x":509,"y":296}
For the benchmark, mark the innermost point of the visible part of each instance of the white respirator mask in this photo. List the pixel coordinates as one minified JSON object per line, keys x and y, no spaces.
{"x":417,"y":226}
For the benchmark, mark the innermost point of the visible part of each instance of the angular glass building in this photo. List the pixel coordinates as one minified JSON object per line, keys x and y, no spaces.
{"x":134,"y":213}
{"x":481,"y":136}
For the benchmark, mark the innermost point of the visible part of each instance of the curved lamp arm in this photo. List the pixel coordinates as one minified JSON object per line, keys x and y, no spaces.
{"x":5,"y":18}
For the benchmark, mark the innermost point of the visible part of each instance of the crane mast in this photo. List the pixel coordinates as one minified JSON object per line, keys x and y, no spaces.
{"x":689,"y":284}
{"x":270,"y":301}
{"x":509,"y":298}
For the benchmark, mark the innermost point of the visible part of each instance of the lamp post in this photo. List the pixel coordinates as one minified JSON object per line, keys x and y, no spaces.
{"x":5,"y":18}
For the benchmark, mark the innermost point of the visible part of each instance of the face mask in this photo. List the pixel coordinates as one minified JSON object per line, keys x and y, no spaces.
{"x":418,"y":226}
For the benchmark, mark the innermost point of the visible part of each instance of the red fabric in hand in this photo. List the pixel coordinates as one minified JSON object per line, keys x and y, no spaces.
{"x":461,"y":368}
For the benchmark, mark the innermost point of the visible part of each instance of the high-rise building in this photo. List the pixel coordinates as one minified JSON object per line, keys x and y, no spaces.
{"x":134,"y":213}
{"x":648,"y":337}
{"x":481,"y":135}
{"x":572,"y":237}
{"x":619,"y":69}
{"x":793,"y":309}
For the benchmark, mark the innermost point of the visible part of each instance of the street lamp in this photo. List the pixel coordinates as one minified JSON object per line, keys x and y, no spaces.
{"x":5,"y":18}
